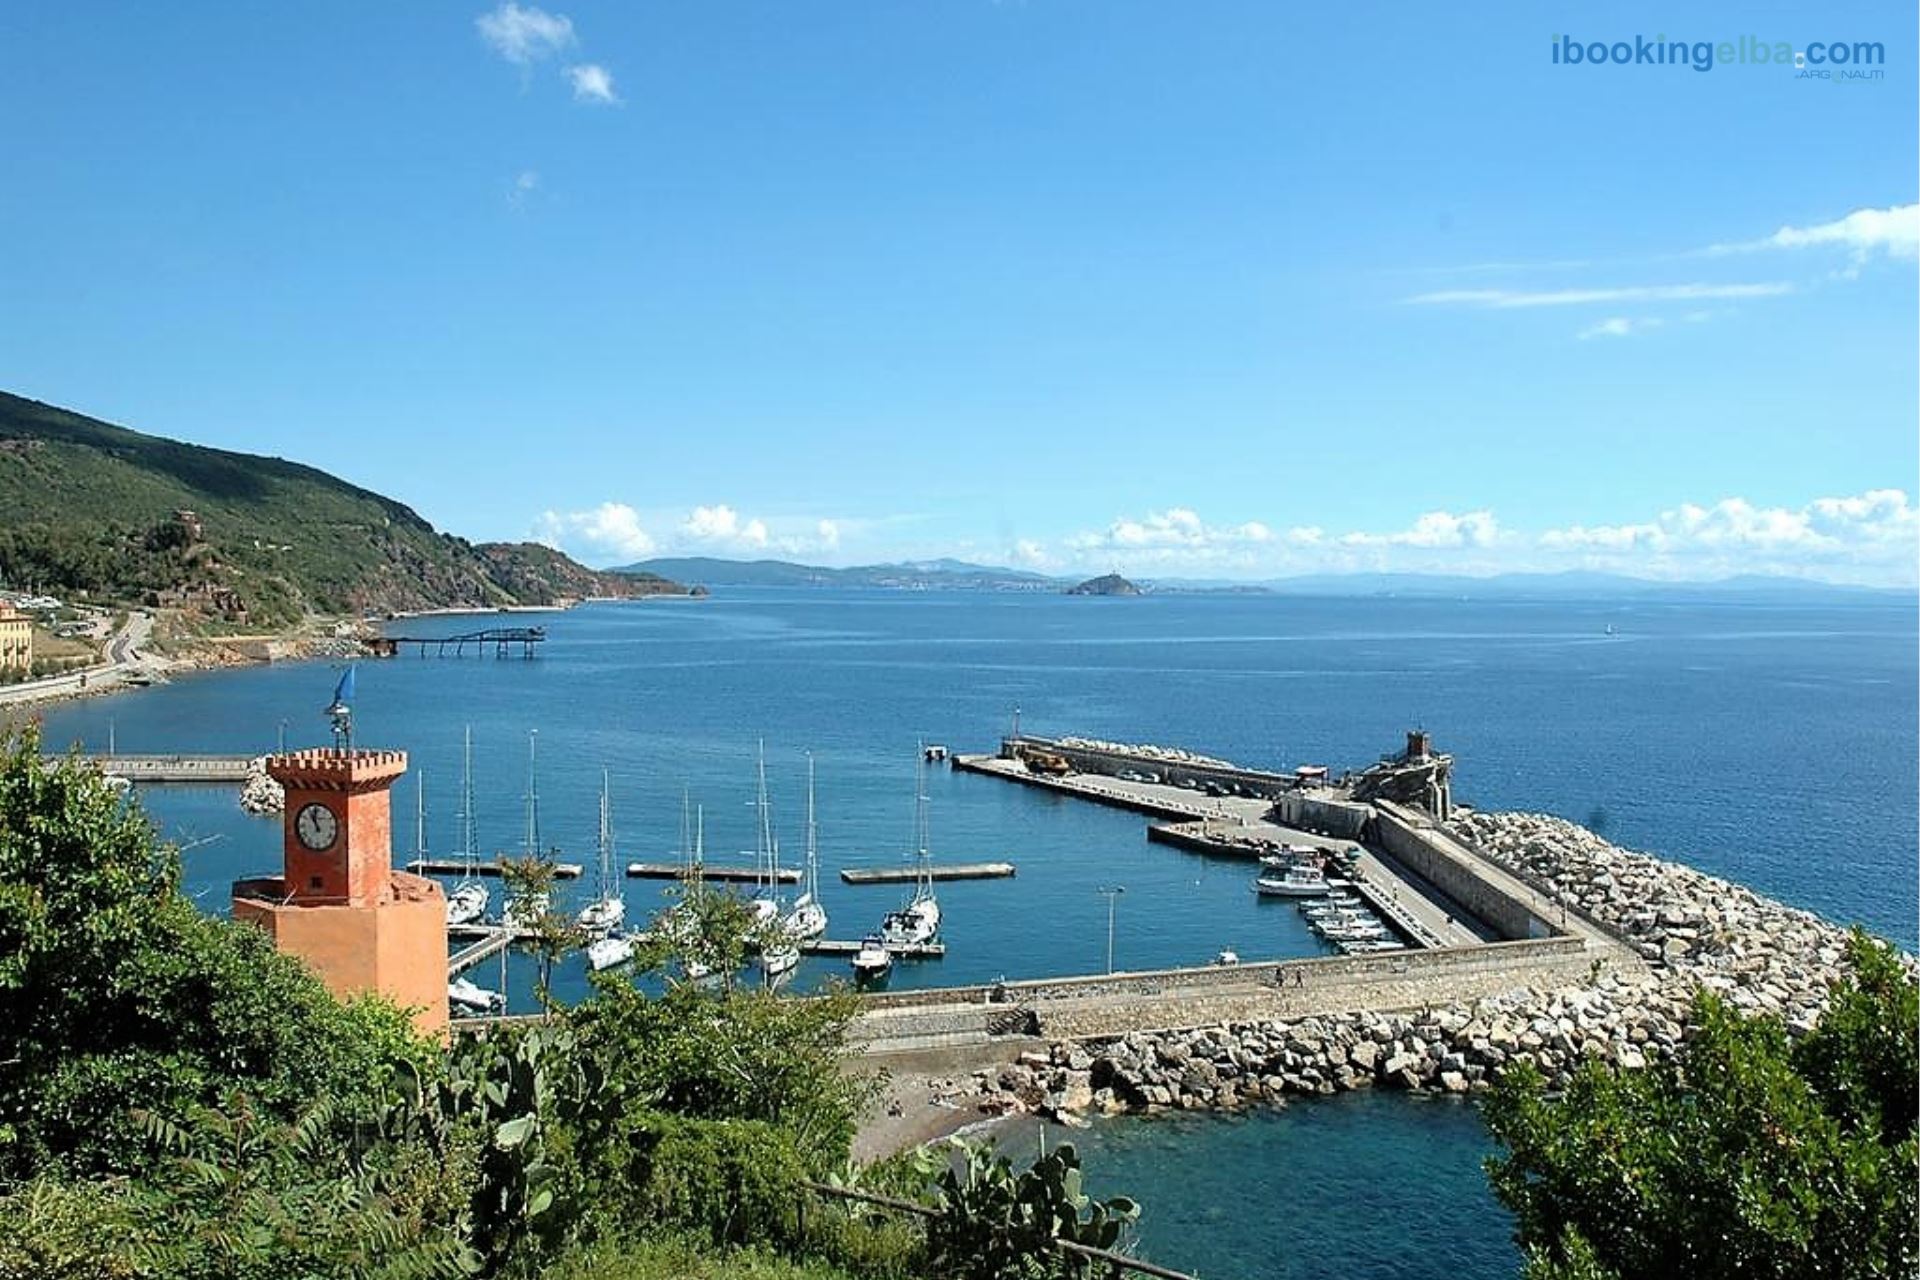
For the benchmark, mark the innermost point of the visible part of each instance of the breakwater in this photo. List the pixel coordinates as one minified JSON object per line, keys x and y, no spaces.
{"x":1691,"y":932}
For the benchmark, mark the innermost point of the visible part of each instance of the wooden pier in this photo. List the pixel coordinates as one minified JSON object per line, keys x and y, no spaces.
{"x":458,"y":867}
{"x":939,"y":871}
{"x":908,"y":950}
{"x":730,"y":875}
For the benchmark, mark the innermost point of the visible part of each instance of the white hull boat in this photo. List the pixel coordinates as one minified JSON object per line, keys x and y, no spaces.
{"x":609,"y":952}
{"x":467,"y":902}
{"x":469,"y":997}
{"x":872,"y":961}
{"x":1294,"y":882}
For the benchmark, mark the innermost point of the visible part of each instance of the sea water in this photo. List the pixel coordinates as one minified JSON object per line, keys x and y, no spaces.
{"x":1771,"y":743}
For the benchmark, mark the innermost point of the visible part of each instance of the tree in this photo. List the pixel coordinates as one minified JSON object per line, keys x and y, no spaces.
{"x":545,"y":931}
{"x":1751,"y":1158}
{"x":117,"y":993}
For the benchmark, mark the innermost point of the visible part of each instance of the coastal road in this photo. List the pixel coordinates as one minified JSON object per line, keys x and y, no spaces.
{"x":126,"y":658}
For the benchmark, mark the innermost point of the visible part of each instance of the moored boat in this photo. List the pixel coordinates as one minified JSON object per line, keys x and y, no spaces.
{"x":872,"y":961}
{"x":1295,"y":881}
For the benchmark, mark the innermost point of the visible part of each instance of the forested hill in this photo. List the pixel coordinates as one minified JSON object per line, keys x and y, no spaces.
{"x":86,"y":506}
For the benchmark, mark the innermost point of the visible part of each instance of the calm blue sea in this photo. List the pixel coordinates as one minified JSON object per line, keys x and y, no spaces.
{"x":1772,"y":744}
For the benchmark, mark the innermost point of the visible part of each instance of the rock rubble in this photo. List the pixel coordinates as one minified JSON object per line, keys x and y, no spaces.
{"x":260,"y":794}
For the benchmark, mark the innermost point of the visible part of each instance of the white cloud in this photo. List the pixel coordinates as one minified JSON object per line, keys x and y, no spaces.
{"x":592,"y":83}
{"x":611,"y":529}
{"x":1864,"y":231}
{"x":524,"y":35}
{"x":722,"y":524}
{"x":525,"y":183}
{"x":1621,"y":327}
{"x":1177,"y":528}
{"x":1505,"y":298}
{"x":1436,"y":529}
{"x":1878,"y":520}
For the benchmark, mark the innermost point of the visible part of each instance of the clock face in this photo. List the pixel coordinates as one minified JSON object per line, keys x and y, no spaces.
{"x":317,"y":827}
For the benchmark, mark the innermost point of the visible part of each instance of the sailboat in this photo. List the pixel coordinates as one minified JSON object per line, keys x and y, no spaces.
{"x":608,"y":911}
{"x":468,"y":900}
{"x":765,"y":908}
{"x":808,"y":919}
{"x":696,"y":969}
{"x":919,"y":921}
{"x":537,"y":905}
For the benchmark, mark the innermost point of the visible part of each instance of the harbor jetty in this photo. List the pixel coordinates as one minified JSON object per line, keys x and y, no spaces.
{"x":1688,"y":932}
{"x":1579,"y":950}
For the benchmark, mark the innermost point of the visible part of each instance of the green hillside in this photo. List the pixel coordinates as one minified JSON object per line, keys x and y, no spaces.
{"x":88,"y":507}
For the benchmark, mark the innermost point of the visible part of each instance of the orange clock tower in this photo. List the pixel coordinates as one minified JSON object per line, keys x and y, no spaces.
{"x":338,"y":903}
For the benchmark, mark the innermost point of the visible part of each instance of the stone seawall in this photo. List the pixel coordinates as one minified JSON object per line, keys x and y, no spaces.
{"x":1691,"y":931}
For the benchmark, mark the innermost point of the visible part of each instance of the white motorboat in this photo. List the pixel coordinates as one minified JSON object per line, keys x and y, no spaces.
{"x":613,"y":950}
{"x":808,"y":920}
{"x":872,"y":961}
{"x":468,"y":996}
{"x":1227,"y":958}
{"x":782,"y":958}
{"x":1292,"y":882}
{"x":918,"y":922}
{"x":468,"y":900}
{"x":608,"y":911}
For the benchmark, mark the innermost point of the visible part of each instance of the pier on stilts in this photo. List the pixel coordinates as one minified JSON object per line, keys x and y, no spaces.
{"x":505,"y":642}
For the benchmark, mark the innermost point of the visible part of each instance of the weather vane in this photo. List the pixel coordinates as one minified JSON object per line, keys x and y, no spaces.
{"x":341,"y":711}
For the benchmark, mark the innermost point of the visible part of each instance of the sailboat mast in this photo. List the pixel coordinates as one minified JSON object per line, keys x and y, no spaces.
{"x":466,"y":799}
{"x":420,"y":816}
{"x":924,"y":880}
{"x":766,"y":823}
{"x":533,"y":795}
{"x":606,"y":840}
{"x":813,"y":843}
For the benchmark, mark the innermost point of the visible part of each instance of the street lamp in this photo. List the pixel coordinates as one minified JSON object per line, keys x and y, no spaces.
{"x":1112,"y":894}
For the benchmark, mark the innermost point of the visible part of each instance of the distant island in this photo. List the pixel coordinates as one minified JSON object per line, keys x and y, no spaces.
{"x":220,"y":540}
{"x":1107,"y":584}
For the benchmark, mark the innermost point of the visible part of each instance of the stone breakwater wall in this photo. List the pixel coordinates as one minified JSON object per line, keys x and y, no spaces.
{"x":1692,"y":931}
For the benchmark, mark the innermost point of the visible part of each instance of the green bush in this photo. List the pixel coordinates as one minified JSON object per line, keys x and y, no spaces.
{"x":117,"y":993}
{"x":1752,"y":1158}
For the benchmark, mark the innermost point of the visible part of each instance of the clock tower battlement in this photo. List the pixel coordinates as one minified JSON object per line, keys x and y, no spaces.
{"x":337,"y":838}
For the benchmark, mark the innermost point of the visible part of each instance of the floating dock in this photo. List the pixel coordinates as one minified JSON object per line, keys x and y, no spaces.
{"x":730,"y":875}
{"x":176,"y":768}
{"x":939,"y":871}
{"x":458,"y":867}
{"x":908,"y":950}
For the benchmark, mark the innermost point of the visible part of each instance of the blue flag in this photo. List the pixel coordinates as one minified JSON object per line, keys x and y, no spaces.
{"x":343,"y":692}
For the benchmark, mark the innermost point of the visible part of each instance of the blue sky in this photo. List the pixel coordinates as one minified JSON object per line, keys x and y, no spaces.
{"x":1235,"y":289}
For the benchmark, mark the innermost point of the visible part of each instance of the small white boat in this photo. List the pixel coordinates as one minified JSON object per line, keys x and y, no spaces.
{"x":117,"y":783}
{"x":534,"y":908}
{"x":780,"y":959}
{"x":468,"y":996}
{"x":765,"y":908}
{"x":808,"y":919}
{"x":1227,"y":958}
{"x":872,"y":961}
{"x":918,"y":922}
{"x":609,"y":952}
{"x":1293,"y":882}
{"x":468,"y":900}
{"x":607,"y":912}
